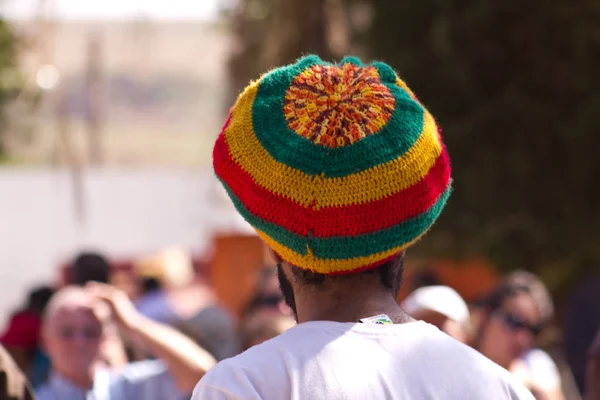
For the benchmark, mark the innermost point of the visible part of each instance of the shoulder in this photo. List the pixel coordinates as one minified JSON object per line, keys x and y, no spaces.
{"x":493,"y":375}
{"x":247,"y":375}
{"x":227,"y":380}
{"x":44,"y":392}
{"x":542,"y":369}
{"x":264,"y":357}
{"x":460,"y":361}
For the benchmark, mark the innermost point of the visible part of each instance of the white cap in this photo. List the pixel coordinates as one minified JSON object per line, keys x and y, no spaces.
{"x":441,"y":299}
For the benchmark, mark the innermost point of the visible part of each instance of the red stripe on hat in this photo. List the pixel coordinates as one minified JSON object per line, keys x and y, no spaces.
{"x":332,"y":221}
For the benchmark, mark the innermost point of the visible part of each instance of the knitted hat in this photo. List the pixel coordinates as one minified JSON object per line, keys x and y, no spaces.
{"x":338,"y":167}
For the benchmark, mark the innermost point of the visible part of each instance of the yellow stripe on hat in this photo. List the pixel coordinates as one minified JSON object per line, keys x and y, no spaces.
{"x":363,"y":187}
{"x":329,"y":266}
{"x":400,"y":82}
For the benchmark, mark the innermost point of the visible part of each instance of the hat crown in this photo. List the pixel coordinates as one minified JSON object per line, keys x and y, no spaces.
{"x":338,"y":167}
{"x":336,"y":106}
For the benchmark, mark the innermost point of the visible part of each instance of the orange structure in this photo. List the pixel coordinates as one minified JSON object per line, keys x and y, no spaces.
{"x":237,"y":260}
{"x":471,"y":278}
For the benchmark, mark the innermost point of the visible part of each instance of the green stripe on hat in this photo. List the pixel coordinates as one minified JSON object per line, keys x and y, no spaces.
{"x":345,"y":247}
{"x":271,"y":129}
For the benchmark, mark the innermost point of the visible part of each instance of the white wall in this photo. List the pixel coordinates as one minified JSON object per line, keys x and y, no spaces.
{"x":128,"y":212}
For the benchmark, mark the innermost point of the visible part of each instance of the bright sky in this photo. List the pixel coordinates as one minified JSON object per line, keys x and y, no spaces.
{"x":114,"y":9}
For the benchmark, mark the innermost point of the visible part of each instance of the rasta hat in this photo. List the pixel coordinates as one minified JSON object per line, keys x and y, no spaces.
{"x":338,"y":167}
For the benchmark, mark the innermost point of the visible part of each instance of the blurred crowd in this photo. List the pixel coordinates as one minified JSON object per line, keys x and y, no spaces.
{"x":153,"y":333}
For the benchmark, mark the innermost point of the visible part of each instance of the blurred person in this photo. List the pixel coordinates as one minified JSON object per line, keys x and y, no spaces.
{"x":126,"y":281}
{"x":582,"y":321}
{"x":214,"y":329}
{"x":507,"y":323}
{"x":90,"y":267}
{"x":266,"y":298}
{"x":593,"y":370}
{"x":173,"y":296}
{"x":76,"y":324}
{"x":163,"y":274}
{"x":340,"y":168}
{"x":22,"y":336}
{"x":13,"y":383}
{"x":538,"y":372}
{"x":264,"y":328}
{"x":442,"y":307}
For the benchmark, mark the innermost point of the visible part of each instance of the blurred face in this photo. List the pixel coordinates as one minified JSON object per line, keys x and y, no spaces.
{"x":272,"y":302}
{"x":73,"y":338}
{"x":510,"y":331}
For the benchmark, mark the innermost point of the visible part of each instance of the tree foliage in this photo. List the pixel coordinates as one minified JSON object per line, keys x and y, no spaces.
{"x":10,"y":80}
{"x":268,"y":33}
{"x":516,"y":88}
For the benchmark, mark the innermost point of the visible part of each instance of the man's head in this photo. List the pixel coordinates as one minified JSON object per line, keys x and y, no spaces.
{"x":511,"y":317}
{"x":385,"y":277}
{"x":338,"y":167}
{"x":90,"y":267}
{"x":440,"y":306}
{"x":74,"y":328}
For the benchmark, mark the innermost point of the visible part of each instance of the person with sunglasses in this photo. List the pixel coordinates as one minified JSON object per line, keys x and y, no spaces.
{"x":507,"y":324}
{"x":75,"y":329}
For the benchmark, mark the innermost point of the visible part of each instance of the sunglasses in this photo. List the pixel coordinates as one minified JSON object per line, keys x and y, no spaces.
{"x":518,"y":324}
{"x":87,"y":333}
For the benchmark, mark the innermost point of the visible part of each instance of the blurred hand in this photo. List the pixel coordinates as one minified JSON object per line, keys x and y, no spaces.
{"x":122,"y":309}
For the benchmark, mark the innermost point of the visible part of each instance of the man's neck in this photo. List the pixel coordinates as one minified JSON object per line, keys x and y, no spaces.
{"x":348,"y":306}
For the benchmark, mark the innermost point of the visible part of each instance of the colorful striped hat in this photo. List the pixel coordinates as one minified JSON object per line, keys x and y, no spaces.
{"x":338,"y":167}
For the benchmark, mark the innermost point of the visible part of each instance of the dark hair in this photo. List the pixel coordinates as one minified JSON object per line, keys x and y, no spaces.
{"x":390,"y":275}
{"x":498,"y":296}
{"x":150,"y":285}
{"x":90,"y":267}
{"x":521,"y":282}
{"x":39,"y":298}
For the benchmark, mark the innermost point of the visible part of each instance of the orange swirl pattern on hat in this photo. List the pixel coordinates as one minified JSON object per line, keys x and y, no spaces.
{"x":337,"y":106}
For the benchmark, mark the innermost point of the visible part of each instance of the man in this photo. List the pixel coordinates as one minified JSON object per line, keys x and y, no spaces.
{"x":74,"y":330}
{"x":440,"y":306}
{"x":13,"y":384}
{"x":339,"y":168}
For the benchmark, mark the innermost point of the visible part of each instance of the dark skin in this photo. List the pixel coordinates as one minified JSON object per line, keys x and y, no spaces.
{"x":344,"y":300}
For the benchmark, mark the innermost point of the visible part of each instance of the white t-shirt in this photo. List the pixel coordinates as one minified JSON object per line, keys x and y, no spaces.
{"x":542,"y":369}
{"x":332,"y":360}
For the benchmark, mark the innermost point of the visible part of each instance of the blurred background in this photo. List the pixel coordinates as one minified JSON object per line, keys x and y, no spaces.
{"x":109,"y":111}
